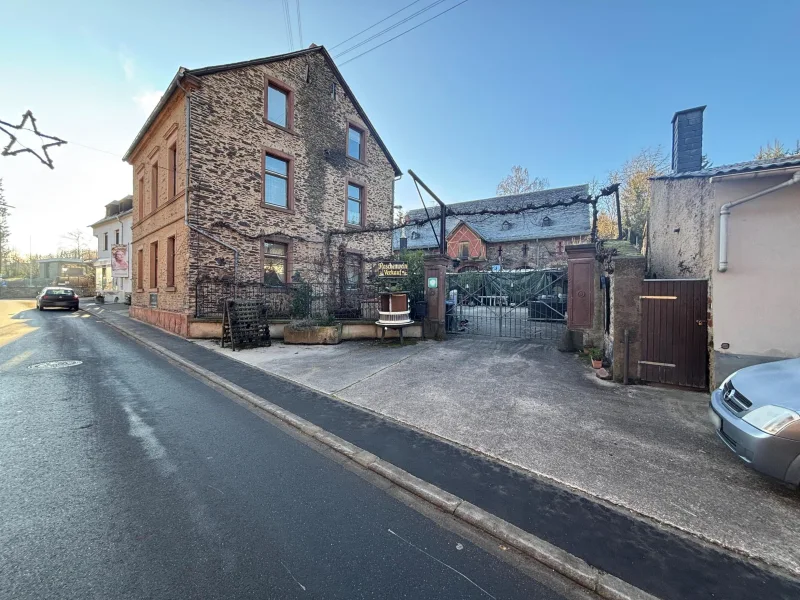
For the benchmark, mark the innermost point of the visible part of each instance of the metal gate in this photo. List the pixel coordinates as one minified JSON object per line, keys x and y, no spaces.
{"x":517,"y":304}
{"x":675,"y":332}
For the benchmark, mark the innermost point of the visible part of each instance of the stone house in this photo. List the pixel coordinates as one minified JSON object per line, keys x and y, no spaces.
{"x":523,"y":240}
{"x":266,"y":170}
{"x":112,"y":267}
{"x":735,"y":226}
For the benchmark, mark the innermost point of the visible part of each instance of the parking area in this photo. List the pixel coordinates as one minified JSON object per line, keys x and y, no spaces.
{"x":646,"y":449}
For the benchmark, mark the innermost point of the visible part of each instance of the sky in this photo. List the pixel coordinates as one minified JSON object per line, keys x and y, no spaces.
{"x":568,"y":89}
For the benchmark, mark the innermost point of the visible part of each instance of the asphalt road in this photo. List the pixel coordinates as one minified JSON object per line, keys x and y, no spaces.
{"x":125,"y":477}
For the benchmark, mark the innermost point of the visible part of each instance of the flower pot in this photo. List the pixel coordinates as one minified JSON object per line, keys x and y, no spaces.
{"x":597,"y":364}
{"x":327,"y":335}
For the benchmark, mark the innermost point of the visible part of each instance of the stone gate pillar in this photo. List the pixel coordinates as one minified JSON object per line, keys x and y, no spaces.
{"x":585,"y":302}
{"x":435,"y":323}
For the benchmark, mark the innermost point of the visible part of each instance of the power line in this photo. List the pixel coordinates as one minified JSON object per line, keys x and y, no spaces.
{"x":288,"y":20}
{"x":299,"y":25}
{"x":380,"y":33}
{"x":403,"y":33}
{"x":373,"y":25}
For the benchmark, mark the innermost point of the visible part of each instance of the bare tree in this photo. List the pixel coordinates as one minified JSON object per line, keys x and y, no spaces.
{"x":73,"y":243}
{"x":634,"y":192}
{"x":5,"y":231}
{"x":519,"y":182}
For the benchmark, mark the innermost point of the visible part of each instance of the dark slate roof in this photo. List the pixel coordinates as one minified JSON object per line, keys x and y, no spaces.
{"x":183,"y":72}
{"x":564,"y":220}
{"x":742,"y":167}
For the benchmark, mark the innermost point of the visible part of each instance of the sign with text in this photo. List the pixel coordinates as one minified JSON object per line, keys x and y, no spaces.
{"x":392,"y":269}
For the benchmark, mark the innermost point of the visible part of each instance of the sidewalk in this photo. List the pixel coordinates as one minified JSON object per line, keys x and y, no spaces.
{"x":650,"y":450}
{"x":664,"y":563}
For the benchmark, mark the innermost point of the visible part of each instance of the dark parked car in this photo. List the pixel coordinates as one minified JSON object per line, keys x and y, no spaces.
{"x":57,"y":297}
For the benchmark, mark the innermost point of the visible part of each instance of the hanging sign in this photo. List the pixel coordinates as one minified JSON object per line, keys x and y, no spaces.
{"x":392,"y":269}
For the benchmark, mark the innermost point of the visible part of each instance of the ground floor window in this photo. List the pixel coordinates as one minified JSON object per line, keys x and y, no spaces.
{"x":276,"y":262}
{"x":353,"y":270}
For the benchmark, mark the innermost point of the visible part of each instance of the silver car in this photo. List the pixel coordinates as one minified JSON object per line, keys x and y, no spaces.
{"x":755,"y":412}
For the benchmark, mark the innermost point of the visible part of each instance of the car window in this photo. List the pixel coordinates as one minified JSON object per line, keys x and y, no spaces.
{"x":60,"y":292}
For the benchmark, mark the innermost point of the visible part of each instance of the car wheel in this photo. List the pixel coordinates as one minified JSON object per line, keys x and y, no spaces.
{"x":39,"y":307}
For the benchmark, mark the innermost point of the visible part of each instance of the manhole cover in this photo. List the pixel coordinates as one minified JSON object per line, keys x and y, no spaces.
{"x":56,"y":364}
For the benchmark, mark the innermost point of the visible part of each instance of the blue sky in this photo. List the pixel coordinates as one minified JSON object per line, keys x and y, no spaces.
{"x":569,"y":89}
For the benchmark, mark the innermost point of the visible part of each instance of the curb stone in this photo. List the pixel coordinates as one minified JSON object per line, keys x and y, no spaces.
{"x":576,"y":569}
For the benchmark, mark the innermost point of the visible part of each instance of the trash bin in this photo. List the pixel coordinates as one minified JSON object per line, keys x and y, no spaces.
{"x":420,"y":310}
{"x":451,"y":324}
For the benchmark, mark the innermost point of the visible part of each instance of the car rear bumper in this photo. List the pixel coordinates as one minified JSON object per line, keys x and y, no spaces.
{"x":768,"y":454}
{"x":65,"y":304}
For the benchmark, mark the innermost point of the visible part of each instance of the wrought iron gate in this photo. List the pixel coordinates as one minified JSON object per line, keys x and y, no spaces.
{"x":517,"y":304}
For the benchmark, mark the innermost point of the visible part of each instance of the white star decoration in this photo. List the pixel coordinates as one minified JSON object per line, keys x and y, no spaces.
{"x":7,"y":151}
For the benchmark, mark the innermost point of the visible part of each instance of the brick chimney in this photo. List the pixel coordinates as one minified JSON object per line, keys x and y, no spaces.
{"x":687,"y":140}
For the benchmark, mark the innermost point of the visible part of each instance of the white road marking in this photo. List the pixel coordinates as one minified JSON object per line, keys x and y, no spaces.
{"x":152,"y":447}
{"x":441,"y":563}
{"x":292,"y":576}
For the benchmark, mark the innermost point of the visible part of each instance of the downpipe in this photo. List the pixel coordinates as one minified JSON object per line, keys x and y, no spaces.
{"x":725,"y":211}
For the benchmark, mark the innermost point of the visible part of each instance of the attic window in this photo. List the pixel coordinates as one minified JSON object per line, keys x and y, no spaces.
{"x":415,"y":235}
{"x":546,"y":222}
{"x":508,"y":225}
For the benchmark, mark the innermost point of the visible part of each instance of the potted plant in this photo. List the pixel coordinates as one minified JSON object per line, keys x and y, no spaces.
{"x":324,"y":330}
{"x":597,"y":357}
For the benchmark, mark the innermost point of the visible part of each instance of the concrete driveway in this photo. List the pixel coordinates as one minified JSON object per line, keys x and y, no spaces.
{"x":649,"y":450}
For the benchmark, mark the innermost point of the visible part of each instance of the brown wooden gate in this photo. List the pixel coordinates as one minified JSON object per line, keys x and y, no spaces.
{"x":675,"y":332}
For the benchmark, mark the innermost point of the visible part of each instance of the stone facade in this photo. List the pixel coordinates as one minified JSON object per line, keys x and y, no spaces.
{"x":531,"y":254}
{"x":624,"y":308}
{"x":228,"y":142}
{"x":680,"y":229}
{"x":229,"y":219}
{"x":524,"y":254}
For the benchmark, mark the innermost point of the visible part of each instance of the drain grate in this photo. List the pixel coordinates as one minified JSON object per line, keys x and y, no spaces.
{"x":56,"y":364}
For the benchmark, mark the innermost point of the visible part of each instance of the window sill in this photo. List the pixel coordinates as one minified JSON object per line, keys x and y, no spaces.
{"x":281,"y":127}
{"x":139,"y":290}
{"x":153,"y":290}
{"x":288,"y":211}
{"x":358,"y":160}
{"x":170,"y":288}
{"x":354,"y":227}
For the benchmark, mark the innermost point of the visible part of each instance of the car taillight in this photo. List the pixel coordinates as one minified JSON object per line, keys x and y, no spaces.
{"x":75,"y":297}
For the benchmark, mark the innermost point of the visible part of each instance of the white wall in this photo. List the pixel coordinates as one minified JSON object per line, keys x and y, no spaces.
{"x":110,"y":226}
{"x":756,"y":300}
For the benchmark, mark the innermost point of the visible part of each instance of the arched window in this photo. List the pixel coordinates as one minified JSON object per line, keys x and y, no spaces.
{"x":546,"y":222}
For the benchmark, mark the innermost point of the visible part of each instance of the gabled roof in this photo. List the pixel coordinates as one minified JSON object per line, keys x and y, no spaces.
{"x":742,"y":167}
{"x":183,"y":72}
{"x":564,"y":221}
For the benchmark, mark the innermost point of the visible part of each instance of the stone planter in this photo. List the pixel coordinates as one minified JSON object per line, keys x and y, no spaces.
{"x":328,"y":335}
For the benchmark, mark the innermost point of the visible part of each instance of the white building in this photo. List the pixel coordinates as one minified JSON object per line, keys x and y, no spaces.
{"x":112,"y":267}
